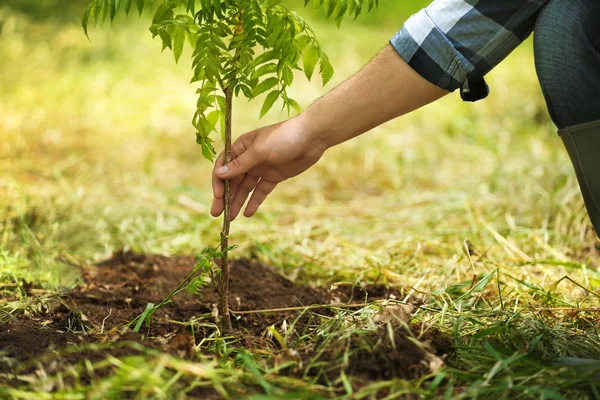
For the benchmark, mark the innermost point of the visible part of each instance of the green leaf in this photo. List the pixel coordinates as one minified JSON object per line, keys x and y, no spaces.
{"x":191,"y":6}
{"x":207,"y":126}
{"x":247,"y":91}
{"x":326,"y":69}
{"x":103,"y":11}
{"x":371,"y":4}
{"x":214,"y":116}
{"x":178,"y":43}
{"x":217,"y":8}
{"x":309,"y":60}
{"x":302,"y":42}
{"x":294,"y":104}
{"x":191,"y":39}
{"x":269,"y":101}
{"x":341,"y":10}
{"x":127,"y":6}
{"x":161,"y":14}
{"x":222,"y":102}
{"x":265,"y":85}
{"x":140,"y":5}
{"x":112,"y":9}
{"x":330,"y":6}
{"x":358,"y":9}
{"x":208,"y":151}
{"x":86,"y":18}
{"x":167,"y":40}
{"x":288,"y":76}
{"x":96,"y":10}
{"x":266,"y":56}
{"x":351,"y":7}
{"x":264,"y":69}
{"x":145,"y":315}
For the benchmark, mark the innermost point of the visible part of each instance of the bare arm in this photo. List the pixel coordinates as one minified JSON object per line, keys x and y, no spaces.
{"x":384,"y":89}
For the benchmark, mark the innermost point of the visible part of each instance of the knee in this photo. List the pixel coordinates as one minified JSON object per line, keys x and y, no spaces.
{"x":567,"y":54}
{"x":565,"y":32}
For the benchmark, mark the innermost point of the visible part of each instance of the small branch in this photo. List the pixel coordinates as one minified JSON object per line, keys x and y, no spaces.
{"x":182,"y":285}
{"x":311,"y":307}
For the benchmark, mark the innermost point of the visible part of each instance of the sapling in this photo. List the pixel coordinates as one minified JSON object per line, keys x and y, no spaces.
{"x":239,"y":48}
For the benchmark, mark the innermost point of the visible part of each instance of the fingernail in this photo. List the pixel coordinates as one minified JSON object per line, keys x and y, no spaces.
{"x":223,"y":170}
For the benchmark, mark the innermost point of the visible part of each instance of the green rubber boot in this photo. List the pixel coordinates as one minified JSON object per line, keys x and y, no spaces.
{"x":583,"y":144}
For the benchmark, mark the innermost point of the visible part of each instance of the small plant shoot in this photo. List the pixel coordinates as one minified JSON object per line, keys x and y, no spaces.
{"x":239,"y":48}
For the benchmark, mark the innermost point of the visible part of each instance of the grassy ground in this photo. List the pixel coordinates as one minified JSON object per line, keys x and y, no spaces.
{"x":97,"y":154}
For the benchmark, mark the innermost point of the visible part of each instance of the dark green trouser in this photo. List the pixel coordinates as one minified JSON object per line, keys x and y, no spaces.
{"x":583,"y":144}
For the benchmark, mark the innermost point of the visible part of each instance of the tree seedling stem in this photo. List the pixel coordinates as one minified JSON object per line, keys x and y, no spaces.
{"x":225,"y":318}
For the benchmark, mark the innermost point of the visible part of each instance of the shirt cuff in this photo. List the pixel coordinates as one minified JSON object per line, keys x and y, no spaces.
{"x":433,"y":56}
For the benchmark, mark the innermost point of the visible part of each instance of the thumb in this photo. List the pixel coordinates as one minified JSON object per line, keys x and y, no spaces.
{"x":238,"y":166}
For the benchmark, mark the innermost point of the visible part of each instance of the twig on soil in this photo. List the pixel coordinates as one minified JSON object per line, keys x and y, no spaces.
{"x":311,"y":307}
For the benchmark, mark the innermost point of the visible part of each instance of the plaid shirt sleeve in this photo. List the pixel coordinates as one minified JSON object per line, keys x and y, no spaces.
{"x":454,"y":43}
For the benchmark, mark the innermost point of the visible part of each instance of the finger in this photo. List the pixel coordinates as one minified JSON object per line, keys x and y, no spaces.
{"x":218,"y":189}
{"x":263,"y":189}
{"x":235,"y":182}
{"x":238,"y":148}
{"x":243,"y":163}
{"x":217,"y":184}
{"x":218,"y":204}
{"x":241,"y":194}
{"x":217,"y":207}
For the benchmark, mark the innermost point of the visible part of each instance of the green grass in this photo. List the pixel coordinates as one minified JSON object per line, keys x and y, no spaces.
{"x":97,"y":153}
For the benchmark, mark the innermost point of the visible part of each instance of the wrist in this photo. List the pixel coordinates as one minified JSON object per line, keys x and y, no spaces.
{"x":316,"y":132}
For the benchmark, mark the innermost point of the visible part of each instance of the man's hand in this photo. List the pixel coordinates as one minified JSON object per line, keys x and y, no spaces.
{"x":384,"y":89}
{"x":261,"y":160}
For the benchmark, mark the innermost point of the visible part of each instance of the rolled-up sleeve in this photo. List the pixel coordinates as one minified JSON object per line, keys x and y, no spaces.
{"x":454,"y":43}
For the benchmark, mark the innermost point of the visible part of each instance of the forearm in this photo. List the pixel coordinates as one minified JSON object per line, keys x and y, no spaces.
{"x":384,"y":89}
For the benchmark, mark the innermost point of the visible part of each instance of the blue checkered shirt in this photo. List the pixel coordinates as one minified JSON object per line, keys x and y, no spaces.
{"x":454,"y":43}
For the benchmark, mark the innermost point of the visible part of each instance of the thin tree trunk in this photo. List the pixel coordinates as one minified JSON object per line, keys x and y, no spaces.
{"x":225,"y":319}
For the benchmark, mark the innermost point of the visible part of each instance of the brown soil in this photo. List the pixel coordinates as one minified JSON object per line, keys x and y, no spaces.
{"x":117,"y":290}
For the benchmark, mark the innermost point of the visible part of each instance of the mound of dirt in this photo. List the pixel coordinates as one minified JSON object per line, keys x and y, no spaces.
{"x":117,"y":290}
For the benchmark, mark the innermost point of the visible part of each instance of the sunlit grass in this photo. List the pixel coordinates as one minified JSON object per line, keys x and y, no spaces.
{"x":97,"y":153}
